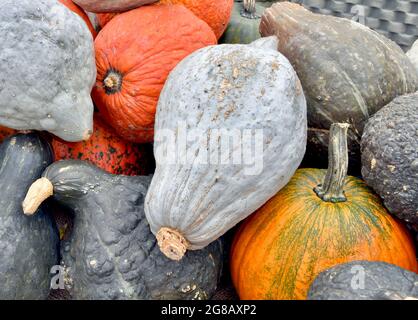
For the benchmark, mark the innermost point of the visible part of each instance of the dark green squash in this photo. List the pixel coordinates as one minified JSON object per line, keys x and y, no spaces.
{"x":347,"y":71}
{"x":111,"y":253}
{"x":244,"y":24}
{"x":28,"y":246}
{"x":365,"y":280}
{"x":390,"y":156}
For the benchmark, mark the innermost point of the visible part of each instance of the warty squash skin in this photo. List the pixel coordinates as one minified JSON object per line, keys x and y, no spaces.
{"x":244,"y":24}
{"x":347,"y":71}
{"x":390,"y":156}
{"x":76,"y":9}
{"x":111,"y":253}
{"x":135,"y":52}
{"x":413,"y":55}
{"x":108,"y":151}
{"x":382,"y":281}
{"x":320,"y":219}
{"x":47,"y":69}
{"x":237,"y":88}
{"x":28,"y":247}
{"x":111,"y":5}
{"x":215,"y":13}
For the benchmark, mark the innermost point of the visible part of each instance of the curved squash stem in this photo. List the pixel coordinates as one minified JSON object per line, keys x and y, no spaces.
{"x":38,"y":192}
{"x":249,"y":10}
{"x":332,"y":189}
{"x":172,"y":243}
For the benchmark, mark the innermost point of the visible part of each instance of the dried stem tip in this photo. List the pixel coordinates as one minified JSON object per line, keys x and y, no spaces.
{"x":172,"y":243}
{"x":38,"y":192}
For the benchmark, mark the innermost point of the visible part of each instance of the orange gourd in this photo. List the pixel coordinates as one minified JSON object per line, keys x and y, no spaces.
{"x":309,"y":227}
{"x":135,"y":52}
{"x":75,"y":8}
{"x":5,"y":132}
{"x":215,"y":13}
{"x":107,"y":151}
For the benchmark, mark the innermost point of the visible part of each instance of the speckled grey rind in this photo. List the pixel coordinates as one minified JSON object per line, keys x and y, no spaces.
{"x":111,"y":253}
{"x":382,"y":281}
{"x":47,"y":69}
{"x":390,"y":156}
{"x":347,"y":70}
{"x":28,"y":245}
{"x":235,"y":87}
{"x":413,"y":55}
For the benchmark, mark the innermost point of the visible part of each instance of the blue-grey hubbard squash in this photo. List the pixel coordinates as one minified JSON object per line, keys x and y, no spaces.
{"x":203,"y":186}
{"x":47,"y":69}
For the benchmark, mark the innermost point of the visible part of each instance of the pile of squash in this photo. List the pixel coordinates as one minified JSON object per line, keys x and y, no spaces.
{"x":138,"y":137}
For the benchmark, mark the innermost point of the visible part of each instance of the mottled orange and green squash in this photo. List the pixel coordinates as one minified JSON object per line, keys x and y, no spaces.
{"x":107,"y":151}
{"x":278,"y":251}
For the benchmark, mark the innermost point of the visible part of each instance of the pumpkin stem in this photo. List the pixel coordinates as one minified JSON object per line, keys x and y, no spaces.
{"x":332,"y":189}
{"x":249,"y":10}
{"x":112,"y":82}
{"x":172,"y":243}
{"x":38,"y":192}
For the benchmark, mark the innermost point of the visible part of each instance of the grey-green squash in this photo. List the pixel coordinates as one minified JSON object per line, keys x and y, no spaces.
{"x":244,"y":24}
{"x":365,"y":280}
{"x":28,"y":247}
{"x":47,"y":69}
{"x":347,"y":71}
{"x":111,"y":252}
{"x":203,"y":185}
{"x":389,"y":156}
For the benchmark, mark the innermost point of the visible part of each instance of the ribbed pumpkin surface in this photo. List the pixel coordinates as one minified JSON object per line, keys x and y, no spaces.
{"x":278,"y":251}
{"x":143,"y":46}
{"x":107,"y":151}
{"x":215,"y":13}
{"x":75,"y":8}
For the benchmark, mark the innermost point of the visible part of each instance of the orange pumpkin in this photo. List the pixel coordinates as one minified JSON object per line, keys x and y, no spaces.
{"x":104,"y":18}
{"x":215,"y":13}
{"x":108,"y":151}
{"x":75,"y":8}
{"x":135,"y":52}
{"x":306,"y":229}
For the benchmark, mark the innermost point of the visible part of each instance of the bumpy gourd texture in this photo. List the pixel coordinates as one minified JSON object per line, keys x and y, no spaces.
{"x":413,"y":55}
{"x":348,"y":71}
{"x":143,"y":46}
{"x":111,"y":5}
{"x":107,"y":151}
{"x":390,"y":156}
{"x":28,"y":245}
{"x":280,"y":249}
{"x":381,"y":281}
{"x":111,"y":253}
{"x":236,"y":87}
{"x":47,"y":69}
{"x":242,"y":29}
